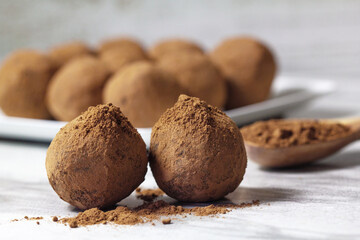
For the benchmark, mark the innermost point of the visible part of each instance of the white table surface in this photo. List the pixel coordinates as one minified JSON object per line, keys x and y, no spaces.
{"x":319,"y":201}
{"x":317,"y":38}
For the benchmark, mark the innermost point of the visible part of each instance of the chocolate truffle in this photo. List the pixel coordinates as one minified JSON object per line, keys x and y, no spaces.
{"x":197,"y":153}
{"x":143,"y":92}
{"x":24,"y":77}
{"x":97,"y":159}
{"x":120,"y":43}
{"x":197,"y":75}
{"x":75,"y":87}
{"x":249,"y":68}
{"x":117,"y":53}
{"x":173,"y":46}
{"x":63,"y":53}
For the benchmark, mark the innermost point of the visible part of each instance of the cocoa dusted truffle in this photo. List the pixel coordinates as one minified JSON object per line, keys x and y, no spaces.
{"x":24,"y":77}
{"x":197,"y":153}
{"x":63,"y":53}
{"x":120,"y":43}
{"x":249,"y":68}
{"x":197,"y":75}
{"x":75,"y":87}
{"x":143,"y":92}
{"x":173,"y":46}
{"x":119,"y":52}
{"x":97,"y":159}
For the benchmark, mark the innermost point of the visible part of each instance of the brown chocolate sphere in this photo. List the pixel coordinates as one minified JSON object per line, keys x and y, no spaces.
{"x":123,"y":42}
{"x":75,"y":87}
{"x":197,"y":75}
{"x":63,"y":53}
{"x":173,"y":46}
{"x":97,"y":159}
{"x":24,"y":77}
{"x":120,"y":52}
{"x":249,"y":68}
{"x":197,"y":153}
{"x":143,"y":92}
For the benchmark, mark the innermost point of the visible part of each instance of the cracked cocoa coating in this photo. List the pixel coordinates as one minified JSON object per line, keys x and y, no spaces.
{"x":198,"y":75}
{"x":249,"y":68}
{"x":64,"y":53}
{"x":123,"y":42}
{"x":143,"y":92}
{"x":75,"y":87}
{"x":168,"y":46}
{"x":97,"y":159}
{"x":197,"y":153}
{"x":24,"y":77}
{"x":118,"y":54}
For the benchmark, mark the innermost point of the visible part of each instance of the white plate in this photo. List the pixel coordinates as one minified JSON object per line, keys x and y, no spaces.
{"x":288,"y":93}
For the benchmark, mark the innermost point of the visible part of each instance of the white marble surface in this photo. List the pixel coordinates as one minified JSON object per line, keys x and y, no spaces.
{"x":314,"y":38}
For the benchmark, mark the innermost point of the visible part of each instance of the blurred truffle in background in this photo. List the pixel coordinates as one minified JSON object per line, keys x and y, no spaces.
{"x":24,"y":77}
{"x":249,"y":68}
{"x":165,"y":47}
{"x":143,"y":92}
{"x":61,"y":54}
{"x":116,"y":53}
{"x":76,"y":86}
{"x":197,"y":75}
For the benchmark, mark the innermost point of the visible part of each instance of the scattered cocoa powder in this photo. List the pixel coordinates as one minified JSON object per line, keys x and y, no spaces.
{"x":28,"y":218}
{"x":55,"y":219}
{"x":286,"y":133}
{"x":147,"y":212}
{"x":166,"y":221}
{"x":148,"y":194}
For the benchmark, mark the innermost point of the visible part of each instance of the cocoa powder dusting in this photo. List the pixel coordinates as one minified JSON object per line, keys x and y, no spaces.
{"x":287,"y":133}
{"x":147,"y":212}
{"x":148,"y":195}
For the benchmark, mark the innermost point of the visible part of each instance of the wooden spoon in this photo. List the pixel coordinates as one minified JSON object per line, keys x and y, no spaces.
{"x":297,"y":155}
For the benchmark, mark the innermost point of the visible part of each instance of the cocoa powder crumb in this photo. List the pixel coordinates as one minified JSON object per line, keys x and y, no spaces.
{"x":146,"y":213}
{"x":38,"y":223}
{"x":166,"y":221}
{"x":287,"y":133}
{"x":55,"y":219}
{"x":149,"y":195}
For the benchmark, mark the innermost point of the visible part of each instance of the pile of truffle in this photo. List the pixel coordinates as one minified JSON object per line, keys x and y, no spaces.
{"x":64,"y":82}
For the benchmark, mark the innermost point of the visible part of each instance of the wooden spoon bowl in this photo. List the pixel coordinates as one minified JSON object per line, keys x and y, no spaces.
{"x":301,"y":154}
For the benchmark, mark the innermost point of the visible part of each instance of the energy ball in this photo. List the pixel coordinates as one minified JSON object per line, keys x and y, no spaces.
{"x":197,"y":153}
{"x":197,"y":75}
{"x":75,"y":87}
{"x":143,"y":92}
{"x":24,"y":77}
{"x":63,"y":53}
{"x":174,"y":46}
{"x":116,"y":54}
{"x":97,"y":159}
{"x":122,"y":43}
{"x":249,"y":68}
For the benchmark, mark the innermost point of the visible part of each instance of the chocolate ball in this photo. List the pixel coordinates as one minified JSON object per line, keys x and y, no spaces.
{"x":118,"y":53}
{"x":143,"y":92}
{"x":197,"y":75}
{"x":173,"y":46}
{"x":249,"y":68}
{"x":75,"y":87}
{"x":123,"y":42}
{"x":97,"y":159}
{"x":197,"y":153}
{"x":63,"y":53}
{"x":24,"y":77}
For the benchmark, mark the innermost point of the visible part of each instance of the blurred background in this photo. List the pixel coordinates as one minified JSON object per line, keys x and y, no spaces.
{"x":310,"y":38}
